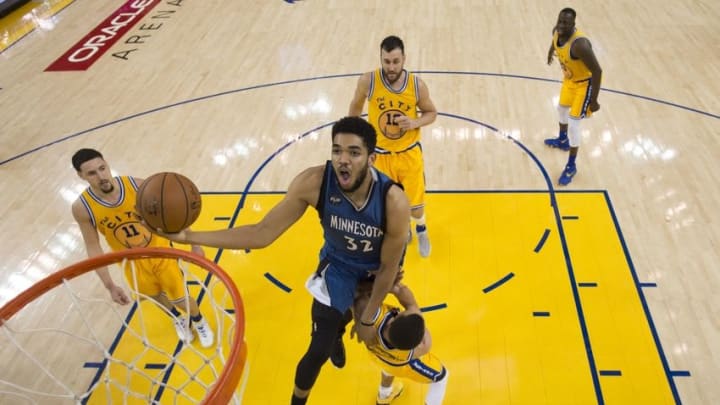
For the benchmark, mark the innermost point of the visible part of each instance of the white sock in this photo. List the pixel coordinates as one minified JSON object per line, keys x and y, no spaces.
{"x":385,"y":391}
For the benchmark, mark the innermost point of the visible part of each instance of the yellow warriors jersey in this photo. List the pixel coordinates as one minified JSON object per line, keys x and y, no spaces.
{"x":383,"y":350}
{"x":573,"y":69}
{"x":385,"y":105}
{"x":117,"y":221}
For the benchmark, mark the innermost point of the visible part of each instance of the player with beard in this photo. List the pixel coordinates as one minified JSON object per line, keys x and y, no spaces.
{"x":582,"y":76}
{"x":395,"y":96}
{"x":365,"y":218}
{"x":107,"y":207}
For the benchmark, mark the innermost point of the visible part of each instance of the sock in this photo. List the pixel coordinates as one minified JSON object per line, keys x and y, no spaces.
{"x":197,"y":318}
{"x":571,"y":160}
{"x":175,"y":312}
{"x":420,"y":224}
{"x":385,"y":391}
{"x":298,"y":401}
{"x":563,"y":135}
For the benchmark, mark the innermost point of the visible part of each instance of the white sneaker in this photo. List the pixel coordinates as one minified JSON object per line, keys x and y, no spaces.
{"x":205,"y":333}
{"x":423,"y":243}
{"x":182,"y":327}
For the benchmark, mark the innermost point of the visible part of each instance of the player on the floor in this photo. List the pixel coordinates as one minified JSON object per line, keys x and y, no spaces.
{"x":403,"y":347}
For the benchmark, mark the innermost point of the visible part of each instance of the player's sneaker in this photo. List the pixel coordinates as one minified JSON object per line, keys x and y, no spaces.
{"x":423,"y":243}
{"x":182,"y":327}
{"x":337,"y":357}
{"x":558,"y":143}
{"x":397,"y":389}
{"x":205,"y":333}
{"x":567,"y":175}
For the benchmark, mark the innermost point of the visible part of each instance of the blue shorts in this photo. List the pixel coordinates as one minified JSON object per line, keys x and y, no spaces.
{"x":335,"y":286}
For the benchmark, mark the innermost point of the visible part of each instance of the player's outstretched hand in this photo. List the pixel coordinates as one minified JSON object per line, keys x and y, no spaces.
{"x":118,"y":295}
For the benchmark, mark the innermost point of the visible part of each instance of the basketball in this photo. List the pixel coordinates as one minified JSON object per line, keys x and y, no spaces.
{"x":168,"y":201}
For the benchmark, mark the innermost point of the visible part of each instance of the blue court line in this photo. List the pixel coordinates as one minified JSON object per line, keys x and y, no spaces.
{"x":193,"y":282}
{"x":680,"y":373}
{"x":541,"y":313}
{"x":93,"y":365}
{"x":570,"y":217}
{"x":648,"y":284}
{"x":433,"y":307}
{"x":587,"y":284}
{"x":498,"y":283}
{"x":111,"y":350}
{"x":611,"y":373}
{"x":646,"y":308}
{"x":542,"y":240}
{"x":230,"y":310}
{"x":277,"y":282}
{"x":155,"y":366}
{"x":221,"y":218}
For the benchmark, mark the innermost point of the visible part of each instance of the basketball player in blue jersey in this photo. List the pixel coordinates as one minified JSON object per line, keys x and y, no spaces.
{"x":365,"y":217}
{"x":580,"y":88}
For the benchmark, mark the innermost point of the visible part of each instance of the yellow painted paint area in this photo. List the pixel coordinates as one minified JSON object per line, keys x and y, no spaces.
{"x":493,"y":270}
{"x":34,"y":14}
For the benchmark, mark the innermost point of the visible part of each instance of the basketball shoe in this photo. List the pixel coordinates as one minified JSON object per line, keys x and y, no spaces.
{"x":560,"y":143}
{"x":205,"y":333}
{"x":567,"y":175}
{"x":182,"y":327}
{"x":397,"y":389}
{"x":337,"y":357}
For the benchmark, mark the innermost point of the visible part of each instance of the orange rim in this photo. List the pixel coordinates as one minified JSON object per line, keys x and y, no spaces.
{"x":224,"y":388}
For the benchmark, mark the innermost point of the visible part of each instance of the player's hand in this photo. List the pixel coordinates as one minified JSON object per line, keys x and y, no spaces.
{"x":405,"y":123}
{"x":365,"y":334}
{"x":550,"y":57}
{"x":594,"y":106}
{"x":118,"y":295}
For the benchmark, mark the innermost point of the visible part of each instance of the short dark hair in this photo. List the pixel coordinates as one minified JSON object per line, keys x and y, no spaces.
{"x":392,"y":42}
{"x":569,"y":11}
{"x":359,"y":127}
{"x":406,"y":331}
{"x":83,"y":155}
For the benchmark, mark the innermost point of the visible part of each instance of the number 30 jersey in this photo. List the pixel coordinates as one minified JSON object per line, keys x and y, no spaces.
{"x":116,"y":221}
{"x":353,"y":235}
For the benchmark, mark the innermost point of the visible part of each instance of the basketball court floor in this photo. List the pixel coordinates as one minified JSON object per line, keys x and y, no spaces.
{"x":599,"y":292}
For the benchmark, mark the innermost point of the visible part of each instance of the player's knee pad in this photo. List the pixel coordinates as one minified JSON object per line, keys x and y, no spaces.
{"x":563,"y":113}
{"x":574,"y":132}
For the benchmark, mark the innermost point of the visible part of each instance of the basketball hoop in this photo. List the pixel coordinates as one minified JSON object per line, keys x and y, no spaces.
{"x":35,"y":374}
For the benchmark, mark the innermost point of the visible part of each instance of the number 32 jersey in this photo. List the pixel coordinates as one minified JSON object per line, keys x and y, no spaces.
{"x":353,"y":235}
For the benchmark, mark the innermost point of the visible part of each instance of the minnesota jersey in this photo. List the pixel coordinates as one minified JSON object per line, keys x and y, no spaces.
{"x":383,"y":350}
{"x":385,"y":105}
{"x":117,"y":221}
{"x":353,"y":235}
{"x":573,"y":69}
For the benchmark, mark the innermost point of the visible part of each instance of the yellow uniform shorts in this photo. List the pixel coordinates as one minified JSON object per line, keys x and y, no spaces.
{"x":426,"y":370}
{"x":155,"y":276}
{"x":576,"y":95}
{"x":406,"y":168}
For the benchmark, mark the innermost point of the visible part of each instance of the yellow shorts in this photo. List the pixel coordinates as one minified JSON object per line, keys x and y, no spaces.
{"x":407,"y":169}
{"x":155,"y":276}
{"x":576,"y":96}
{"x":426,"y":370}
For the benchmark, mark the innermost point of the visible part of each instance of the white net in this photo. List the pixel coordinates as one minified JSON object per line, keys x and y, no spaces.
{"x":73,"y":345}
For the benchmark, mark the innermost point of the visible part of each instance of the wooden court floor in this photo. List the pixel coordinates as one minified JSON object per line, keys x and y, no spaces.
{"x":601,"y":292}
